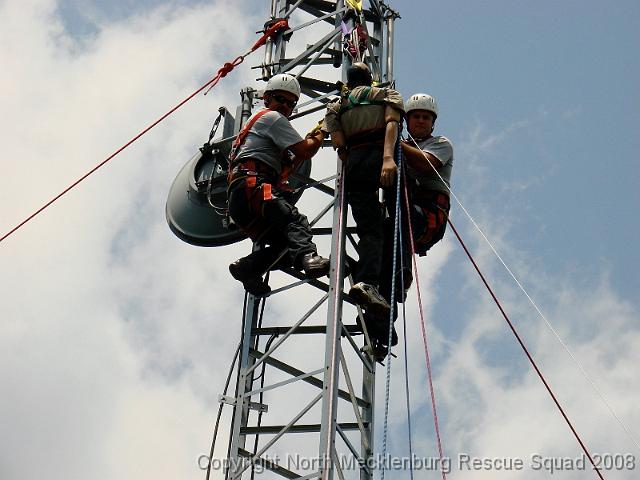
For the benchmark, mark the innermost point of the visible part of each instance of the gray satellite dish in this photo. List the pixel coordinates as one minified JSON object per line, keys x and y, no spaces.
{"x":198,"y":195}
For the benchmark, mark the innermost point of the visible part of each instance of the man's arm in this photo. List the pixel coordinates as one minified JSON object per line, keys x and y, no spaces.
{"x":389,"y":168}
{"x":334,"y":128}
{"x":308,"y":147}
{"x":416,"y":159}
{"x":339,"y":142}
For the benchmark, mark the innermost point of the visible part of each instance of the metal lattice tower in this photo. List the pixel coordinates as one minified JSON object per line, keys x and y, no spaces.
{"x":321,"y":409}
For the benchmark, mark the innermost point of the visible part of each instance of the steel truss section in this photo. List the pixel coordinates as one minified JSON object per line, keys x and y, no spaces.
{"x":343,"y":424}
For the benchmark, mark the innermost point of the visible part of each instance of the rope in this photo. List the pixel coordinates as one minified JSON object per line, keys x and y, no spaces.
{"x":424,"y":334}
{"x":220,"y":407}
{"x":396,"y":228}
{"x":235,"y":394}
{"x":524,"y":348}
{"x":535,"y":306}
{"x":261,"y":377}
{"x":404,"y":328}
{"x":222,"y":72}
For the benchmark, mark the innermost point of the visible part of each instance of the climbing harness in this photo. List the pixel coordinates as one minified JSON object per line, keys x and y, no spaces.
{"x":350,"y":101}
{"x":242,"y":136}
{"x":431,"y":213}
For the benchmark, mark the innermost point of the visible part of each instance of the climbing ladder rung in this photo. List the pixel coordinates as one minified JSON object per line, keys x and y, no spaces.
{"x":298,"y":373}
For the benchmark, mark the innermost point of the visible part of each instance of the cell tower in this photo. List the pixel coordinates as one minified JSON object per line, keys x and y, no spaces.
{"x":310,"y":371}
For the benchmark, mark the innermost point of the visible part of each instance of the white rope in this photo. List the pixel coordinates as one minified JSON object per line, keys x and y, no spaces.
{"x":535,"y":306}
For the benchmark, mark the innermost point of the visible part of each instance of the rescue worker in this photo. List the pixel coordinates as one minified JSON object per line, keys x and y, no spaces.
{"x":363,"y":124}
{"x":259,"y":200}
{"x":428,"y":198}
{"x":429,"y":191}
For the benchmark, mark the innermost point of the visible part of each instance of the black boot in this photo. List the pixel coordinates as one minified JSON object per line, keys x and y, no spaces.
{"x":315,"y":266}
{"x":253,"y":283}
{"x":369,"y":298}
{"x":378,"y":329}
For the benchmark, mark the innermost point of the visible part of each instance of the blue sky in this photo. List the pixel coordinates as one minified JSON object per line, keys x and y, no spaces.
{"x":567,"y":70}
{"x":120,"y":326}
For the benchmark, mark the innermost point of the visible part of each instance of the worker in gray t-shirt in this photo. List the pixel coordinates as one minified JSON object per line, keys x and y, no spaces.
{"x":428,"y":170}
{"x":259,"y":200}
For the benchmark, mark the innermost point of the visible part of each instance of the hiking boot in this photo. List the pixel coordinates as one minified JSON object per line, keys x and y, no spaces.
{"x":378,"y":351}
{"x":368,"y":297}
{"x":378,"y":329}
{"x":315,"y":266}
{"x":253,"y":283}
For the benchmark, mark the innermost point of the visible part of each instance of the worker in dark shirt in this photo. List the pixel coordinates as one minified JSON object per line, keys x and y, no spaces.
{"x":363,"y":124}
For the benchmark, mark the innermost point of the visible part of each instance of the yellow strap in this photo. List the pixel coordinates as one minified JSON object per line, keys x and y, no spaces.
{"x":357,"y":4}
{"x":316,"y":129}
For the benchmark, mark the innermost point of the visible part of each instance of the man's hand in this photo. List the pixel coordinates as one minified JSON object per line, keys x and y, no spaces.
{"x":388,"y":173}
{"x":316,"y":136}
{"x":316,"y":130}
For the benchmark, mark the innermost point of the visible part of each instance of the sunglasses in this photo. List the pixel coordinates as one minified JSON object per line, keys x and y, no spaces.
{"x":285,"y":101}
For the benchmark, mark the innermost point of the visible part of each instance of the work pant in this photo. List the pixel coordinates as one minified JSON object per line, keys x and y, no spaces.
{"x":362,"y":182}
{"x":429,"y":212}
{"x":280,"y":226}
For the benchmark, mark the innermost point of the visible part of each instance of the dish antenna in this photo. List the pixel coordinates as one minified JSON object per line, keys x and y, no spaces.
{"x":197,"y":201}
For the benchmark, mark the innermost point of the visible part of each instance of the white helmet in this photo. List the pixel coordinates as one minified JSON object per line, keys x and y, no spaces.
{"x":422,"y":101}
{"x":285,"y":82}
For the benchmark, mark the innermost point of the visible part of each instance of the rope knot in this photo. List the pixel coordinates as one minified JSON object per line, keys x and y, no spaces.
{"x":226,"y":68}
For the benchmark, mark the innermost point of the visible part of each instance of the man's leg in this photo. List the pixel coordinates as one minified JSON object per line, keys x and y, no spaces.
{"x":290,"y":229}
{"x":250,"y":269}
{"x":367,"y":213}
{"x":362,"y":183}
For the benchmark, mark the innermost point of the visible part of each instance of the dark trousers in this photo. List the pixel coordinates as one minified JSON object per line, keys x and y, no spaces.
{"x":429,"y":211}
{"x":281,"y":225}
{"x":362,"y":182}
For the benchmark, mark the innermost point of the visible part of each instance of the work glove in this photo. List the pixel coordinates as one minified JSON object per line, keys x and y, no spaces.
{"x":318,"y":128}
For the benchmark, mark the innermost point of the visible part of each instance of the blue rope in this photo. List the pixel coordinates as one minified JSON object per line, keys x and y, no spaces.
{"x":396,"y":229}
{"x":404,"y":334}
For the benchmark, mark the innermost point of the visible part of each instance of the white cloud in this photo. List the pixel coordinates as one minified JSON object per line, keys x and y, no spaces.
{"x":104,"y":311}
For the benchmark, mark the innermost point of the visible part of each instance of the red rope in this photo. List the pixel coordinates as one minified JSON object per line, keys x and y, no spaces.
{"x":222,"y":72}
{"x":424,"y":333}
{"x":270,"y":31}
{"x":526,"y":351}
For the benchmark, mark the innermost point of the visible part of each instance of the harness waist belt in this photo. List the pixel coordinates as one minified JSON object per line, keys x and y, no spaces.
{"x":431,"y":196}
{"x":366,"y":137}
{"x":249,"y":167}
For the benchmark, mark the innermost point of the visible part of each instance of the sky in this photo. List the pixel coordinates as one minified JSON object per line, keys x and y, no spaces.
{"x":116,"y":336}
